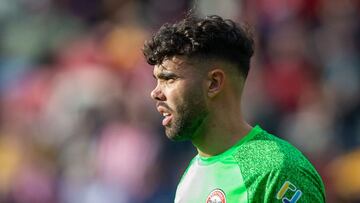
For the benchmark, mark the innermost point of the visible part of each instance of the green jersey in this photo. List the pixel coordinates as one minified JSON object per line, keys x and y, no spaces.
{"x":259,"y":168}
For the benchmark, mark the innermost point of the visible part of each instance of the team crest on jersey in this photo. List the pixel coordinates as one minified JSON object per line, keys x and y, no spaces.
{"x":216,"y":196}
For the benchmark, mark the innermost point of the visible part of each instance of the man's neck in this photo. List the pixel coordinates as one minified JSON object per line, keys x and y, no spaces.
{"x":219,"y":136}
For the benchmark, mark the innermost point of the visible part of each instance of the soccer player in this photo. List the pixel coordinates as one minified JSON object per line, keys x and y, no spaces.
{"x":200,"y":65}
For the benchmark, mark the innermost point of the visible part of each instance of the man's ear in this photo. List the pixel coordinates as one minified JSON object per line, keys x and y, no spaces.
{"x":216,"y":80}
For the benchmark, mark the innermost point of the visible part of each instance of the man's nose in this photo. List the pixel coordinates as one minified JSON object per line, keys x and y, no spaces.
{"x":157,"y":94}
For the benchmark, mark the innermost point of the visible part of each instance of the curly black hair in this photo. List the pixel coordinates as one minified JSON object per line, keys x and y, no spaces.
{"x":209,"y":37}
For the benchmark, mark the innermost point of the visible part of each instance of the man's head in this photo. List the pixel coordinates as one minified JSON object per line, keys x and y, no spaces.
{"x":195,"y":60}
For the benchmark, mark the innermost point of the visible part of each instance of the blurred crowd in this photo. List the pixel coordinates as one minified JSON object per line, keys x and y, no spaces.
{"x":77,"y":123}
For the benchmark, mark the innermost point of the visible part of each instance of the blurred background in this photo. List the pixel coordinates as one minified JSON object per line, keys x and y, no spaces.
{"x":77,"y":124}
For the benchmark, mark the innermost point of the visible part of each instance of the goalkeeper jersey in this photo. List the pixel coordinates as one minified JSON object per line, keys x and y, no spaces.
{"x":259,"y":168}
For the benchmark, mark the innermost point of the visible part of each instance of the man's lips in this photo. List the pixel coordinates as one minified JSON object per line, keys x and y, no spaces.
{"x":166,"y":113}
{"x":166,"y":121}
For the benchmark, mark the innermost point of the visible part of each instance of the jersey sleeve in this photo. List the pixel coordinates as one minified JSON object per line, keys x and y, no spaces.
{"x":278,"y":172}
{"x":288,"y":184}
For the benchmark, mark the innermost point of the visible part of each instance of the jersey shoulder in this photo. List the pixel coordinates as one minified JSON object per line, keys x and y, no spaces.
{"x":269,"y":152}
{"x":269,"y":163}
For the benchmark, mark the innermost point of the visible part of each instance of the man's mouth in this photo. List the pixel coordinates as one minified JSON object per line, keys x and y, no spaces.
{"x":167,"y":115}
{"x":167,"y":119}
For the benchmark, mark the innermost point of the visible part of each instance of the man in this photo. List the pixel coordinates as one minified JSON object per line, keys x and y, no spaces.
{"x":200,"y":65}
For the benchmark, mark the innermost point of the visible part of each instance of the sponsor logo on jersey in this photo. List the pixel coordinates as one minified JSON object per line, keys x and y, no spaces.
{"x":289,"y":189}
{"x":216,"y":196}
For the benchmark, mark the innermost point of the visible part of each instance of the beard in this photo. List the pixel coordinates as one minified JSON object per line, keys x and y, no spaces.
{"x":188,"y":119}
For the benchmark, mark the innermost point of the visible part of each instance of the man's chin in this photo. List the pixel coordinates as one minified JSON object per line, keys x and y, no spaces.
{"x":176,"y":136}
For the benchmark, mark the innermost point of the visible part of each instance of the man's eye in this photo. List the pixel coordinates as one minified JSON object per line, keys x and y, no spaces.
{"x":170,"y":80}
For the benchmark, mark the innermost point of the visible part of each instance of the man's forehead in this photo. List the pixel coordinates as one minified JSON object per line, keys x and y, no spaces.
{"x":172,"y":64}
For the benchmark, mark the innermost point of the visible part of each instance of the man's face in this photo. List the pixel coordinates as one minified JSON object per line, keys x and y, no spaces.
{"x":180,"y":97}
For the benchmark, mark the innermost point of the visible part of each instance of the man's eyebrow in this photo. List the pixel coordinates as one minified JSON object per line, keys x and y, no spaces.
{"x":164,"y":75}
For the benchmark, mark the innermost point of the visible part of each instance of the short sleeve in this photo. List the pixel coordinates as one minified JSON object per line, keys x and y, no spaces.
{"x":275,"y":171}
{"x":291,"y":184}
